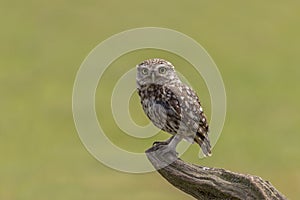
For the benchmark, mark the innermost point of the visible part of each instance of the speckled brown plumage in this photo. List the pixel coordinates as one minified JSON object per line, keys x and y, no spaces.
{"x":171,"y":105}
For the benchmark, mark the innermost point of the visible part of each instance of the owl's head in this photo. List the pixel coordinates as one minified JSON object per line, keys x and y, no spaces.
{"x":155,"y":71}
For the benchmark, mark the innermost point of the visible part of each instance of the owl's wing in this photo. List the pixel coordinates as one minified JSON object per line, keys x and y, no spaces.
{"x":192,"y":115}
{"x":201,"y":136}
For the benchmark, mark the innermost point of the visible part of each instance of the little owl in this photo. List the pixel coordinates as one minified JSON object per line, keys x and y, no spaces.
{"x":171,"y":105}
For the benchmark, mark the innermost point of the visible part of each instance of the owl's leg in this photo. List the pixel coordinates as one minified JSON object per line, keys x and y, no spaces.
{"x":167,"y":147}
{"x":165,"y":152}
{"x":174,"y":141}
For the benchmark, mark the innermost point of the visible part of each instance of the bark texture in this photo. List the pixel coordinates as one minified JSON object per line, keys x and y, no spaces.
{"x":209,"y":183}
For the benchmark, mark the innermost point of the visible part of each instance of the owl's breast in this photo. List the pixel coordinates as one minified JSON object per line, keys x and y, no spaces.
{"x":153,"y":104}
{"x":161,"y":107}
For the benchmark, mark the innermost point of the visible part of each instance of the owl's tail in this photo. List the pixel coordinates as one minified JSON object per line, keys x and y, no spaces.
{"x":204,"y":143}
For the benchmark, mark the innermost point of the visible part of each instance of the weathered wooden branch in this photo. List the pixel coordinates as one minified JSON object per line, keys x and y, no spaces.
{"x":210,"y":183}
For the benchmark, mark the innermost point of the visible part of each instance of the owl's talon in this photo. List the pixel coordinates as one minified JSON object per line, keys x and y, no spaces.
{"x":163,"y":147}
{"x":163,"y":142}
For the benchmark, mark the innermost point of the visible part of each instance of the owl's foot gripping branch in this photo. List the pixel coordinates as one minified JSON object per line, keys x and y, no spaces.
{"x":209,"y":183}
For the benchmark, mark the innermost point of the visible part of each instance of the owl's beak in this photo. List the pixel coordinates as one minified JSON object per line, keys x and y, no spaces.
{"x":153,"y":77}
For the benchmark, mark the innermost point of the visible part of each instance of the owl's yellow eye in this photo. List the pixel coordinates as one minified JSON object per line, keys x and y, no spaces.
{"x":162,"y":70}
{"x":145,"y":71}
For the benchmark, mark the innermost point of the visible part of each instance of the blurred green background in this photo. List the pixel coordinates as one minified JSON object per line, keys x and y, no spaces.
{"x":255,"y":44}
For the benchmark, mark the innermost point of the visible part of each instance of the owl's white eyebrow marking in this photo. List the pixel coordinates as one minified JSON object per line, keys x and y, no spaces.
{"x":160,"y":65}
